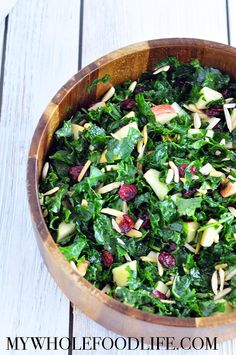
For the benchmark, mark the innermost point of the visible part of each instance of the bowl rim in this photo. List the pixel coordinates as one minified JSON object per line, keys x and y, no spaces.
{"x":36,"y":213}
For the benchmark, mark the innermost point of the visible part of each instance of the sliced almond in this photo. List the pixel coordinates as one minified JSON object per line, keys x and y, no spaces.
{"x":230,"y":99}
{"x":198,"y":247}
{"x":168,"y":301}
{"x":232,"y":210}
{"x":131,"y":114}
{"x":84,"y":170}
{"x":192,"y":108}
{"x":229,"y":105}
{"x":140,"y":146}
{"x":132,"y":86}
{"x":159,"y":70}
{"x":169,"y":283}
{"x":214,"y":282}
{"x":196,"y":120}
{"x":190,"y":248}
{"x":176,"y":171}
{"x":45,"y":170}
{"x":138,"y":224}
{"x":160,"y":267}
{"x":134,"y":233}
{"x":51,"y":192}
{"x":213,"y":122}
{"x":109,"y":187}
{"x":221,"y":266}
{"x":106,"y":288}
{"x":120,"y":241}
{"x":111,"y":212}
{"x":96,"y":106}
{"x":109,"y":94}
{"x":222,"y":278}
{"x":127,"y":257}
{"x":145,"y":134}
{"x":81,"y":269}
{"x":103,"y":158}
{"x":170,"y":176}
{"x":228,"y":119}
{"x":230,"y":274}
{"x":115,"y":226}
{"x":45,"y":213}
{"x":222,"y":293}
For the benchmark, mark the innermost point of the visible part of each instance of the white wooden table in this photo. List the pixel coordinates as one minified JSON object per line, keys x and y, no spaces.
{"x":42,"y":44}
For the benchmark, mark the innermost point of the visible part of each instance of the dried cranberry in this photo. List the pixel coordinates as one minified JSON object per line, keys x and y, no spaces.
{"x":226,"y":93}
{"x":171,"y":246}
{"x":146,"y":220}
{"x":193,"y":170}
{"x":127,"y":104}
{"x":218,"y":127}
{"x":127,"y":192}
{"x":107,"y":258}
{"x":182,"y":168}
{"x":159,"y":294}
{"x":74,"y":171}
{"x":139,"y":89}
{"x":215,"y":111}
{"x":188,"y":193}
{"x":125,"y":223}
{"x":166,"y":259}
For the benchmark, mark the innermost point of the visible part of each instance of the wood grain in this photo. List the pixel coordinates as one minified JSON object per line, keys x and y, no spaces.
{"x":42,"y":52}
{"x":109,"y":25}
{"x":232,"y":22}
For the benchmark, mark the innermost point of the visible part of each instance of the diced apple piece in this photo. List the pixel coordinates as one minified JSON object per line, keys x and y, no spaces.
{"x":164,"y":113}
{"x":124,"y":131}
{"x":65,"y":230}
{"x":152,"y":177}
{"x":161,"y":287}
{"x":207,"y":95}
{"x":228,"y":188}
{"x":210,"y":235}
{"x":190,"y":229}
{"x":121,"y":274}
{"x":76,"y":129}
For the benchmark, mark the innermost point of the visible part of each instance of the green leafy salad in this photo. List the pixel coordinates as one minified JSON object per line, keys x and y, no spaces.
{"x":139,"y":190}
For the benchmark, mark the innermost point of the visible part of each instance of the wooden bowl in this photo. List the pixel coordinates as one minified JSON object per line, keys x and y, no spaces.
{"x":123,"y":64}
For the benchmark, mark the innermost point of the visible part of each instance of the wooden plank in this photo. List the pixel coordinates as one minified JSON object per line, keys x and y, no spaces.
{"x":232,"y":23}
{"x":41,"y":54}
{"x":109,"y":25}
{"x":118,"y":23}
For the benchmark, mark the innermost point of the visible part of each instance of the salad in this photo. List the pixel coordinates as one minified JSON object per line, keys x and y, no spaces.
{"x":139,"y":190}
